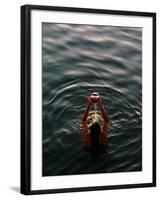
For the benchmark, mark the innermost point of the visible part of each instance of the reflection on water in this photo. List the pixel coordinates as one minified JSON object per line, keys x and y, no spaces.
{"x":79,"y":60}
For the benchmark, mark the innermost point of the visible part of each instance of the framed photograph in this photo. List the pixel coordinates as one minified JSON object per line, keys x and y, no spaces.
{"x":88,"y":99}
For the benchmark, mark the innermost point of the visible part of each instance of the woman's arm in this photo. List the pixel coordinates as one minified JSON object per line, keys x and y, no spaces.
{"x":105,"y":124}
{"x":85,"y":115}
{"x":86,"y":137}
{"x":103,"y":111}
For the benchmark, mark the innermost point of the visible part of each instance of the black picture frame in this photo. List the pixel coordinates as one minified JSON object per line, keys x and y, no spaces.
{"x":26,"y":98}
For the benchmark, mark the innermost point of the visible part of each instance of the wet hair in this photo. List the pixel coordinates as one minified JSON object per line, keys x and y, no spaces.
{"x":95,"y":131}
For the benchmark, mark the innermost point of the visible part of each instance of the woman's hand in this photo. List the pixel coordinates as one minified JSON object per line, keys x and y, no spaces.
{"x":94,"y":98}
{"x":99,"y":101}
{"x":90,"y":101}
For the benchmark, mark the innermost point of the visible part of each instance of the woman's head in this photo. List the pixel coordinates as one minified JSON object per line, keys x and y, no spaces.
{"x":95,"y":129}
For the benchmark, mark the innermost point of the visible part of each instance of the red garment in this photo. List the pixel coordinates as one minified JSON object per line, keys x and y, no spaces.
{"x":86,"y":132}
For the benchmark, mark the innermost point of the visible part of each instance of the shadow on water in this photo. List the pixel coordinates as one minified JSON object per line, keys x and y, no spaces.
{"x":15,"y":189}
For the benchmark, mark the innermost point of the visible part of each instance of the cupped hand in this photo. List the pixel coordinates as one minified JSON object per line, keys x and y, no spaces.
{"x":99,"y":100}
{"x":90,"y":100}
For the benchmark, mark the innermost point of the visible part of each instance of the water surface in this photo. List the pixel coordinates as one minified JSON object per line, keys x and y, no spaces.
{"x":78,"y":60}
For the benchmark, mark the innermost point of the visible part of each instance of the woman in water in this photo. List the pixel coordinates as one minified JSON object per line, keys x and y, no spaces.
{"x":95,"y":125}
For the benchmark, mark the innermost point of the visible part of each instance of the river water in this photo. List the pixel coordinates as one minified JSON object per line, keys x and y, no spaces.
{"x":76,"y":61}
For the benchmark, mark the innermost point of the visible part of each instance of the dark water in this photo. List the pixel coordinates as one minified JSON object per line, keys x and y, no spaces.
{"x":79,"y":60}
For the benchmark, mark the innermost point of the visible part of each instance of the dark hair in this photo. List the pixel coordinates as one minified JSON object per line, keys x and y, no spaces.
{"x":95,"y":131}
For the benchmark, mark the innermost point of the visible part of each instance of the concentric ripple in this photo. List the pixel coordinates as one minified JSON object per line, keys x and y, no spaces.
{"x":79,"y":60}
